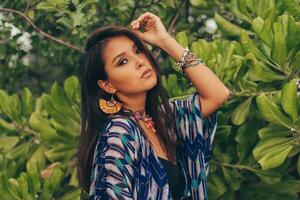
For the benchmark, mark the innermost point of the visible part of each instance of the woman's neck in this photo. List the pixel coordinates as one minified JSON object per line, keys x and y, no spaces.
{"x":135,"y":103}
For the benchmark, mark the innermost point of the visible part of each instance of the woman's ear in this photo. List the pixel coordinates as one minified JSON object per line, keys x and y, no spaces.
{"x":106,"y":86}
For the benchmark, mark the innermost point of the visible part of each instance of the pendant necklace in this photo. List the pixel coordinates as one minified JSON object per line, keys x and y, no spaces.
{"x":146,"y":119}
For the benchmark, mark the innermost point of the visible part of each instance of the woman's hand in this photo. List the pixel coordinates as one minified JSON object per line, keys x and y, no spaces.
{"x":154,"y":31}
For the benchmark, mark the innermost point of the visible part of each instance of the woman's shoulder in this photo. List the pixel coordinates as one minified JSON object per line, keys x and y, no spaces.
{"x":120,"y":124}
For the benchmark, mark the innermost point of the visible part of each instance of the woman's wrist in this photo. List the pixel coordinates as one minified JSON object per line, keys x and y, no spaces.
{"x":163,"y":40}
{"x":172,"y":48}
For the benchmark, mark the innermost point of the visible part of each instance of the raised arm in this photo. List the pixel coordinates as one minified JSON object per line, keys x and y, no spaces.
{"x":213,"y":93}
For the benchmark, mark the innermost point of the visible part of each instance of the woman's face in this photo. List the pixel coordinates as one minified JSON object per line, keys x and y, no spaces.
{"x":128,"y":69}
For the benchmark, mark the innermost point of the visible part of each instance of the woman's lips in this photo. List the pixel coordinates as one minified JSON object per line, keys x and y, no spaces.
{"x":147,"y":73}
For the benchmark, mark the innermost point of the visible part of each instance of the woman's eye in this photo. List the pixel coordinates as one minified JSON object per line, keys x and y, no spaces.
{"x":121,"y":61}
{"x":138,"y":50}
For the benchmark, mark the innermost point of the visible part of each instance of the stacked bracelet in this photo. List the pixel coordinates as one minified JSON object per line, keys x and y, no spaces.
{"x":188,"y":59}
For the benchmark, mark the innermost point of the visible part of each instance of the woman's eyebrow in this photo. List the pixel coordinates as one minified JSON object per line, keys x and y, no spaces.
{"x":121,"y":54}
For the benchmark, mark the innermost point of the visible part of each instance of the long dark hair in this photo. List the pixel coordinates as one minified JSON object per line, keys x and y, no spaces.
{"x":93,"y":119}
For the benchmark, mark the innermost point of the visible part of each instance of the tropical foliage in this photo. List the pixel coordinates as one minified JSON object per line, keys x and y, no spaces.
{"x":255,"y":51}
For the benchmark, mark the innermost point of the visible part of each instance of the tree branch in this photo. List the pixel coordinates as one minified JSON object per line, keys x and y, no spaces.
{"x":172,"y":24}
{"x":175,"y":17}
{"x":27,"y":7}
{"x":40,"y":31}
{"x":236,"y":166}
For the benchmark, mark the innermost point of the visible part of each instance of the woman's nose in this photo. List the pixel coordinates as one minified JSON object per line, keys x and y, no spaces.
{"x":140,"y":61}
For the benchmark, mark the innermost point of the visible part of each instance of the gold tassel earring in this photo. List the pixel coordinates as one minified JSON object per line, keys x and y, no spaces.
{"x":111,"y":106}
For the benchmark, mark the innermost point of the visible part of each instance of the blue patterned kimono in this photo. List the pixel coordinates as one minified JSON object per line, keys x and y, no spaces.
{"x":126,"y":167}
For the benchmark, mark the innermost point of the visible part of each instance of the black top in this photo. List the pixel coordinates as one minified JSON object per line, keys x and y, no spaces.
{"x":176,"y":180}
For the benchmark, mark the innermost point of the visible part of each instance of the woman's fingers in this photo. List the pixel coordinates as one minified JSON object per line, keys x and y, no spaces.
{"x":147,"y":14}
{"x":142,"y":20}
{"x":134,"y":24}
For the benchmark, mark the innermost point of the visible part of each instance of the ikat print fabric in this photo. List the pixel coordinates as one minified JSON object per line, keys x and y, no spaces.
{"x":126,"y":167}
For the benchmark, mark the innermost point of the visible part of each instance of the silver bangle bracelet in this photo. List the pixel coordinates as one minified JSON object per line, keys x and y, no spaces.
{"x":183,"y":59}
{"x":188,"y":59}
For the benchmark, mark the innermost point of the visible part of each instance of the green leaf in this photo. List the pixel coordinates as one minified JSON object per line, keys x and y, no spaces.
{"x":77,"y":18}
{"x":275,"y":97}
{"x":62,"y":103}
{"x":275,"y":158}
{"x":289,"y":99}
{"x":293,"y":38}
{"x":234,"y":6}
{"x":6,"y":192}
{"x":66,"y":21}
{"x":227,"y":27}
{"x":246,"y":137}
{"x":170,"y":3}
{"x":15,"y":105}
{"x":271,"y":112}
{"x":223,"y":157}
{"x":294,"y":152}
{"x":52,"y":184}
{"x":291,"y":187}
{"x":39,"y":106}
{"x":74,"y":179}
{"x":39,"y":155}
{"x":56,"y":178}
{"x":74,"y":195}
{"x":10,"y":106}
{"x":250,"y":47}
{"x":61,"y":121}
{"x":8,"y":142}
{"x":182,"y":38}
{"x":233,"y":178}
{"x":19,"y":151}
{"x":27,"y":102}
{"x":204,"y":49}
{"x":272,"y":152}
{"x":268,"y":177}
{"x":215,"y":186}
{"x":10,"y":127}
{"x":263,"y":30}
{"x":47,"y":191}
{"x":284,"y":190}
{"x":224,"y":132}
{"x":71,"y":87}
{"x":279,"y":50}
{"x":46,"y":6}
{"x":264,"y":7}
{"x":295,"y":64}
{"x":292,"y":6}
{"x":23,"y":186}
{"x":240,"y":113}
{"x":34,"y":180}
{"x":13,"y":188}
{"x":273,"y":131}
{"x":269,"y":146}
{"x":39,"y":123}
{"x":85,"y":3}
{"x":199,"y":3}
{"x":61,"y":153}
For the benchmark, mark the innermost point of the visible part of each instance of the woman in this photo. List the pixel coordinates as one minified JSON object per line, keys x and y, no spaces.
{"x":135,"y":142}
